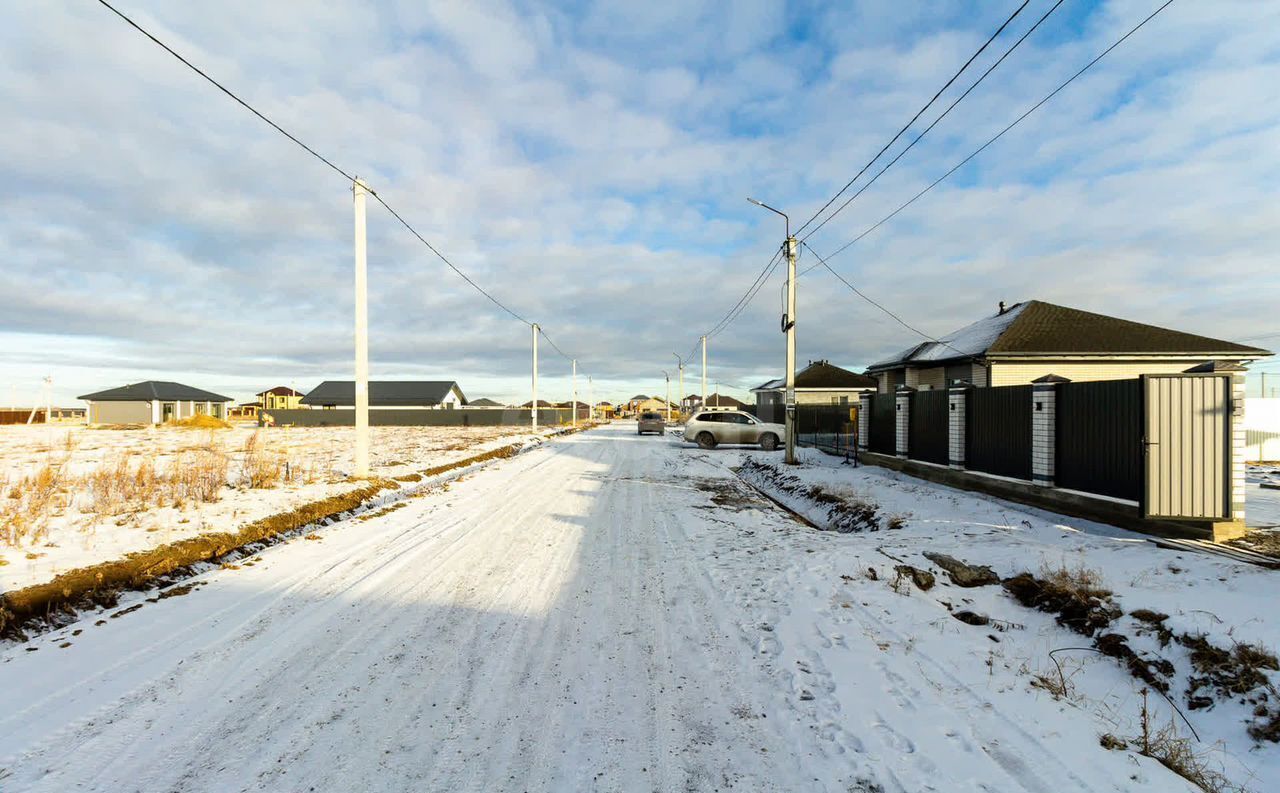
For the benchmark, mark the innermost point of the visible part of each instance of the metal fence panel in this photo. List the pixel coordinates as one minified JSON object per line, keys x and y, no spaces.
{"x":1188,"y":436}
{"x":929,"y":427}
{"x":1098,"y":437}
{"x":998,"y":431}
{"x":884,"y":429}
{"x":828,"y":427}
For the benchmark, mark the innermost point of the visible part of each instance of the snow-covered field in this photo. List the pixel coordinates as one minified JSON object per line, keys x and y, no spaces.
{"x":70,"y":529}
{"x":619,"y":613}
{"x":1262,"y":504}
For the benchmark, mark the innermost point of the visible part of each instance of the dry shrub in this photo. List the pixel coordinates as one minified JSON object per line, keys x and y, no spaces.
{"x":1080,"y":582}
{"x":117,"y":487}
{"x":198,"y":475}
{"x":27,"y":504}
{"x":1177,"y":753}
{"x":259,"y":467}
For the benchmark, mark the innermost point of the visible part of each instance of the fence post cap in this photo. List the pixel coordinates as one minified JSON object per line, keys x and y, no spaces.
{"x":1050,"y":379}
{"x":1209,"y":367}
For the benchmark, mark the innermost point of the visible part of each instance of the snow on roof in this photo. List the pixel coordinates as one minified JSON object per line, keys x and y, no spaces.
{"x":971,"y":340}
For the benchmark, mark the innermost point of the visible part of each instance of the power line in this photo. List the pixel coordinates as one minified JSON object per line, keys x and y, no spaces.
{"x":554,"y":346}
{"x":997,"y":136}
{"x":318,"y":156}
{"x":823,"y":263}
{"x":746,"y":297}
{"x":943,"y":115}
{"x":225,"y":90}
{"x":916,"y":117}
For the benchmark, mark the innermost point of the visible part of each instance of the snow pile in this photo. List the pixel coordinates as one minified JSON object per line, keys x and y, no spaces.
{"x":1169,"y":653}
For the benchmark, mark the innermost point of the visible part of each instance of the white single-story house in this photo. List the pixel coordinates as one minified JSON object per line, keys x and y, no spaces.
{"x":1030,"y":340}
{"x":153,"y":402}
{"x":387,"y":394}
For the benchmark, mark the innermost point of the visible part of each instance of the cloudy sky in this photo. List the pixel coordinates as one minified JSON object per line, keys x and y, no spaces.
{"x":588,"y":163}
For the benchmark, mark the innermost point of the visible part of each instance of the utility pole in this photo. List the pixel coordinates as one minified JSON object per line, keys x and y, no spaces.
{"x":591,"y":400}
{"x":533,"y":406}
{"x":680,"y":367}
{"x":704,"y":370}
{"x":664,"y":374}
{"x":789,"y":328}
{"x":789,"y":324}
{"x":359,"y":189}
{"x":574,"y":401}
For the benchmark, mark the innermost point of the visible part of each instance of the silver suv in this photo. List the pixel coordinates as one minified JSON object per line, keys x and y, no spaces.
{"x":710,"y":427}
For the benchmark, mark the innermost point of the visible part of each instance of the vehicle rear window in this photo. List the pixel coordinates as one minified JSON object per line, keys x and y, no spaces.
{"x":650,"y":416}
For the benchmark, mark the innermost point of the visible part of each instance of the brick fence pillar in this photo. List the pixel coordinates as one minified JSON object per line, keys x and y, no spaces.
{"x":957,"y":397}
{"x":864,"y":421}
{"x":903,"y":406}
{"x":1044,"y":428}
{"x":1238,"y":449}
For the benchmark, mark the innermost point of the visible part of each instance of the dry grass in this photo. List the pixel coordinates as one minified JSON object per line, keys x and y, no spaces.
{"x":1080,"y":582}
{"x":199,"y":422}
{"x":1179,"y":754}
{"x":260,"y":467}
{"x":29,"y":502}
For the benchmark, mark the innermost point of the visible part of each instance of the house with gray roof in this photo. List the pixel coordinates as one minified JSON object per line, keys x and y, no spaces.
{"x":819,"y":383}
{"x":1030,"y":340}
{"x":153,"y":402}
{"x":398,"y":394}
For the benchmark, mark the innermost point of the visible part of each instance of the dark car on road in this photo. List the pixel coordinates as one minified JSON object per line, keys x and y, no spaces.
{"x":650,"y":422}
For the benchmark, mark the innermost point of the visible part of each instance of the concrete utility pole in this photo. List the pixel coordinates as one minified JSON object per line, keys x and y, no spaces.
{"x":680,"y":368}
{"x":664,"y":374}
{"x":533,"y":406}
{"x":574,"y":401}
{"x":789,"y":328}
{"x":359,"y":190}
{"x":704,"y":370}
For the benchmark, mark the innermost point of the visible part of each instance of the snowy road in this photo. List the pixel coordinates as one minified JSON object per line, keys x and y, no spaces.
{"x":606,"y":612}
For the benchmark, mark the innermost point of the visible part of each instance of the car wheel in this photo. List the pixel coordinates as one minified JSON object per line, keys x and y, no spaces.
{"x":706,"y":440}
{"x":768,"y":441}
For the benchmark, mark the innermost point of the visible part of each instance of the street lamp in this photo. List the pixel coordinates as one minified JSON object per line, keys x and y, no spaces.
{"x":668,"y":400}
{"x":680,"y":362}
{"x":789,"y":328}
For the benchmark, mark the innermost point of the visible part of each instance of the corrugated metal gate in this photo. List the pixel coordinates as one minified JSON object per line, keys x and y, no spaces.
{"x":884,"y":429}
{"x":928,"y":427}
{"x":998,"y":430}
{"x":1098,"y":437}
{"x":1188,"y":446}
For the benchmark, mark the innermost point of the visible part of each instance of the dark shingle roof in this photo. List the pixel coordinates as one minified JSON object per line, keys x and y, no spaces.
{"x":1038,"y":328}
{"x":1048,"y":328}
{"x":155,"y":390}
{"x":280,"y":390}
{"x":484,"y":402}
{"x":383,"y":393}
{"x":724,"y":401}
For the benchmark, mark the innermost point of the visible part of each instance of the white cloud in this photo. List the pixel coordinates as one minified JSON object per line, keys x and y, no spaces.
{"x":591,"y":171}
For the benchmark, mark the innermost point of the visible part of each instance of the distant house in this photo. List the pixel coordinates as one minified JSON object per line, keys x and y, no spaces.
{"x":650,"y":404}
{"x":819,"y":383}
{"x":483,"y":402}
{"x":244,"y":410}
{"x":605,"y":410}
{"x":718,"y":400}
{"x":1029,"y":340}
{"x":153,"y":402}
{"x":387,"y":394}
{"x":542,"y":403}
{"x":279,"y":398}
